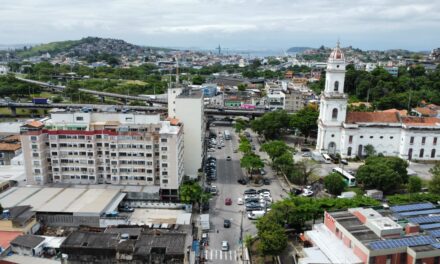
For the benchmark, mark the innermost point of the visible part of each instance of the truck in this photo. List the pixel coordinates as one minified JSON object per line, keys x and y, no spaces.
{"x":204,"y":222}
{"x":40,"y":101}
{"x":347,"y":195}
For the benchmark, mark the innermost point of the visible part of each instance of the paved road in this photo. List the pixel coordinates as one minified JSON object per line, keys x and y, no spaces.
{"x":228,"y":172}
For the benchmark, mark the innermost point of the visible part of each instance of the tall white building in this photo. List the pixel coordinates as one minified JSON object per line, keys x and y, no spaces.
{"x":111,"y":148}
{"x":188,"y":107}
{"x":390,"y":133}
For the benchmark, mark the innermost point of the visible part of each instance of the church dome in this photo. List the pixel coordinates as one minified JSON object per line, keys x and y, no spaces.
{"x":337,"y":54}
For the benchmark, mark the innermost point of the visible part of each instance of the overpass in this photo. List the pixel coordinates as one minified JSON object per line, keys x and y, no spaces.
{"x":96,"y":107}
{"x":60,"y":88}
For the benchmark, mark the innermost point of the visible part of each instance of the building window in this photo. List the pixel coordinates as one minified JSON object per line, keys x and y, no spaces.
{"x":391,"y":137}
{"x":333,"y":135}
{"x":34,"y":146}
{"x":433,"y":153}
{"x":164,"y":173}
{"x":336,"y":88}
{"x":411,"y":140}
{"x":423,"y":140}
{"x":79,"y":118}
{"x":164,"y":181}
{"x":434,"y":141}
{"x":381,"y":137}
{"x":422,"y":151}
{"x":35,"y":155}
{"x":349,"y":151}
{"x":350,"y":139}
{"x":371,"y":136}
{"x":163,"y":140}
{"x":164,"y":148}
{"x":33,"y":138}
{"x":361,"y":136}
{"x":335,"y":114}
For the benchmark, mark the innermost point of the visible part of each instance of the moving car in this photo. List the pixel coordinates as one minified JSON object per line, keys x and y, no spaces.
{"x":228,"y":201}
{"x":227,"y":223}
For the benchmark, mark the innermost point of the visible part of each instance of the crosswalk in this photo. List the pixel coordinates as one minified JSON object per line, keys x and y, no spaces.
{"x":224,"y":256}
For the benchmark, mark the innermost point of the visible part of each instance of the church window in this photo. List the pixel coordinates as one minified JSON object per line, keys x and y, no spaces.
{"x":381,"y":137}
{"x":423,"y":140}
{"x":434,"y":141}
{"x":335,"y":114}
{"x":349,"y":151}
{"x":333,"y":135}
{"x":391,"y":137}
{"x":336,"y":88}
{"x":350,"y":139}
{"x":433,"y":153}
{"x":361,"y":136}
{"x":337,"y":66}
{"x":411,"y":140}
{"x":371,"y":136}
{"x":422,"y":151}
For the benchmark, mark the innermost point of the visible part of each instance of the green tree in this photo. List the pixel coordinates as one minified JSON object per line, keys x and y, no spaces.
{"x":273,"y":238}
{"x":334,"y":183}
{"x":245,"y":146}
{"x":242,"y":87}
{"x":240,"y":125}
{"x":271,"y":125}
{"x":275,"y":148}
{"x":305,"y":120}
{"x":57,"y":99}
{"x":369,"y":150}
{"x":191,"y":192}
{"x":198,"y":80}
{"x":283,"y":163}
{"x":434,"y":184}
{"x":378,"y":176}
{"x":414,"y":184}
{"x":302,"y":171}
{"x":251,"y":162}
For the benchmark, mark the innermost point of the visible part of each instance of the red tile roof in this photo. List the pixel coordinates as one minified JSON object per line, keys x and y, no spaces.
{"x":420,"y":121}
{"x":425,"y":111}
{"x":9,"y":147}
{"x":371,"y":117}
{"x":7,"y":236}
{"x":394,"y":110}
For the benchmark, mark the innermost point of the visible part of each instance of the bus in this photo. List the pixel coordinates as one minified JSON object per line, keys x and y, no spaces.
{"x":227,"y":135}
{"x":349,"y":179}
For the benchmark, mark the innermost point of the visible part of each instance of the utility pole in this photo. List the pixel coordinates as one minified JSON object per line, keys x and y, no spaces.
{"x":241,"y":236}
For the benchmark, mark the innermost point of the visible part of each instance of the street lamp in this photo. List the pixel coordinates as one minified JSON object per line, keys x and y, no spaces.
{"x":241,"y":235}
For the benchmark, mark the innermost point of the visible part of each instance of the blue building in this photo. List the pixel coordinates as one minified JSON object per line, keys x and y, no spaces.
{"x":209,"y":90}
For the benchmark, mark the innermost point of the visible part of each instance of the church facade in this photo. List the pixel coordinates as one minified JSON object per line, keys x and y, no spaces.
{"x":389,"y":132}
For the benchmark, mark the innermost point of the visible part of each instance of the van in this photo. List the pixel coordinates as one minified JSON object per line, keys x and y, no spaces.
{"x":327,"y":158}
{"x":347,"y":195}
{"x":254,"y":215}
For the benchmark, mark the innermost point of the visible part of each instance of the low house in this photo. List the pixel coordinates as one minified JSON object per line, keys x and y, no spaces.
{"x":28,"y":245}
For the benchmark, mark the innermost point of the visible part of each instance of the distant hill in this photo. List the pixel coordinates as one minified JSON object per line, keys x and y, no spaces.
{"x":298,"y":49}
{"x":90,"y":46}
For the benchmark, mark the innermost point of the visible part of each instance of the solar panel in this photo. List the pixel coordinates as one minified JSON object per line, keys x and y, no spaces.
{"x":435,"y":233}
{"x":403,"y":242}
{"x":424,"y":219}
{"x":412,"y":207}
{"x":430,"y":226}
{"x":423,"y":212}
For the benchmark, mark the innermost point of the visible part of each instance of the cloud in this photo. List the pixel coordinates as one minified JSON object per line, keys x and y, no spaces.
{"x":264,"y":23}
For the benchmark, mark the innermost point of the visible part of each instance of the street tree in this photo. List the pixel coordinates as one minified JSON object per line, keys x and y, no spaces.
{"x":334,"y":183}
{"x":434,"y":184}
{"x":191,"y":192}
{"x":273,"y":238}
{"x":369,"y":150}
{"x":275,"y":148}
{"x":305,"y":120}
{"x":245,"y":145}
{"x":302,"y":171}
{"x":240,"y":125}
{"x":414,"y":184}
{"x":271,"y":125}
{"x":251,"y":162}
{"x":283,"y":163}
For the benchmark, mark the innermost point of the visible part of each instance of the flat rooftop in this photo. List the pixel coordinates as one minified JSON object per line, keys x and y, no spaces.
{"x":156,"y":216}
{"x":62,"y":200}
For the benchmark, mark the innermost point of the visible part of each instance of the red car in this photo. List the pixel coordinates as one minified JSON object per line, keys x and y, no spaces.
{"x":228,"y":201}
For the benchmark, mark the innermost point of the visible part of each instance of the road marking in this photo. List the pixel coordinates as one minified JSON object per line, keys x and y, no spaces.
{"x":235,"y":255}
{"x":211,"y":254}
{"x":216,"y":252}
{"x":230,"y":255}
{"x":206,"y":254}
{"x":221,"y":255}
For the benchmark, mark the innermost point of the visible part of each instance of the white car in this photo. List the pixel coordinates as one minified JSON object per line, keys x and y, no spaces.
{"x":307,"y":192}
{"x":265,"y":194}
{"x":225,"y":246}
{"x":240,"y":201}
{"x":247,"y":196}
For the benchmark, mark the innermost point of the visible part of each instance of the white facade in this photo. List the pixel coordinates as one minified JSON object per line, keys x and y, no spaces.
{"x":112,"y":148}
{"x":189,"y":107}
{"x":4,"y":69}
{"x":347,"y":134}
{"x":276,"y":100}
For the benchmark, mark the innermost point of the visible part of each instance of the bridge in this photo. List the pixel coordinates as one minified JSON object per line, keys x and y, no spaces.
{"x":60,"y":88}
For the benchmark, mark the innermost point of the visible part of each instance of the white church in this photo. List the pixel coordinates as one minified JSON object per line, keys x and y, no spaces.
{"x":389,"y":132}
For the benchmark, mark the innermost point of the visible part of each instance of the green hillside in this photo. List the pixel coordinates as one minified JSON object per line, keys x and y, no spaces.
{"x":52,"y":47}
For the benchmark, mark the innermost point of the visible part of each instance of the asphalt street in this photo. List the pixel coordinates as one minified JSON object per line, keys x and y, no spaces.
{"x":228,"y":172}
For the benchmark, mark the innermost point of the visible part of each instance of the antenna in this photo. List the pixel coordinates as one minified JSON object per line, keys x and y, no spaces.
{"x":177,"y":70}
{"x":219,"y":49}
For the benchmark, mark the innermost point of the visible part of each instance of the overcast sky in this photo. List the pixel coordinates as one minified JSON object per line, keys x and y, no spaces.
{"x":234,"y":24}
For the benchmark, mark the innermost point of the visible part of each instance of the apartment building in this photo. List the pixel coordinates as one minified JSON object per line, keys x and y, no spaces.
{"x":104,"y":147}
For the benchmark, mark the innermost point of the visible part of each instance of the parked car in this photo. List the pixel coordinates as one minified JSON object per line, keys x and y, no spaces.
{"x":295,"y":191}
{"x":227,"y":223}
{"x":214,"y":190}
{"x":126,"y":209}
{"x":242,"y":181}
{"x":225,"y":246}
{"x":266,"y":181}
{"x":228,"y":201}
{"x":306,"y":154}
{"x":262,"y":171}
{"x":250,"y":191}
{"x":264,"y":190}
{"x":344,"y":161}
{"x":240,"y":201}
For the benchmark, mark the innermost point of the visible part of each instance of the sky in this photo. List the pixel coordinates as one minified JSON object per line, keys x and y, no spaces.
{"x":233,"y":24}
